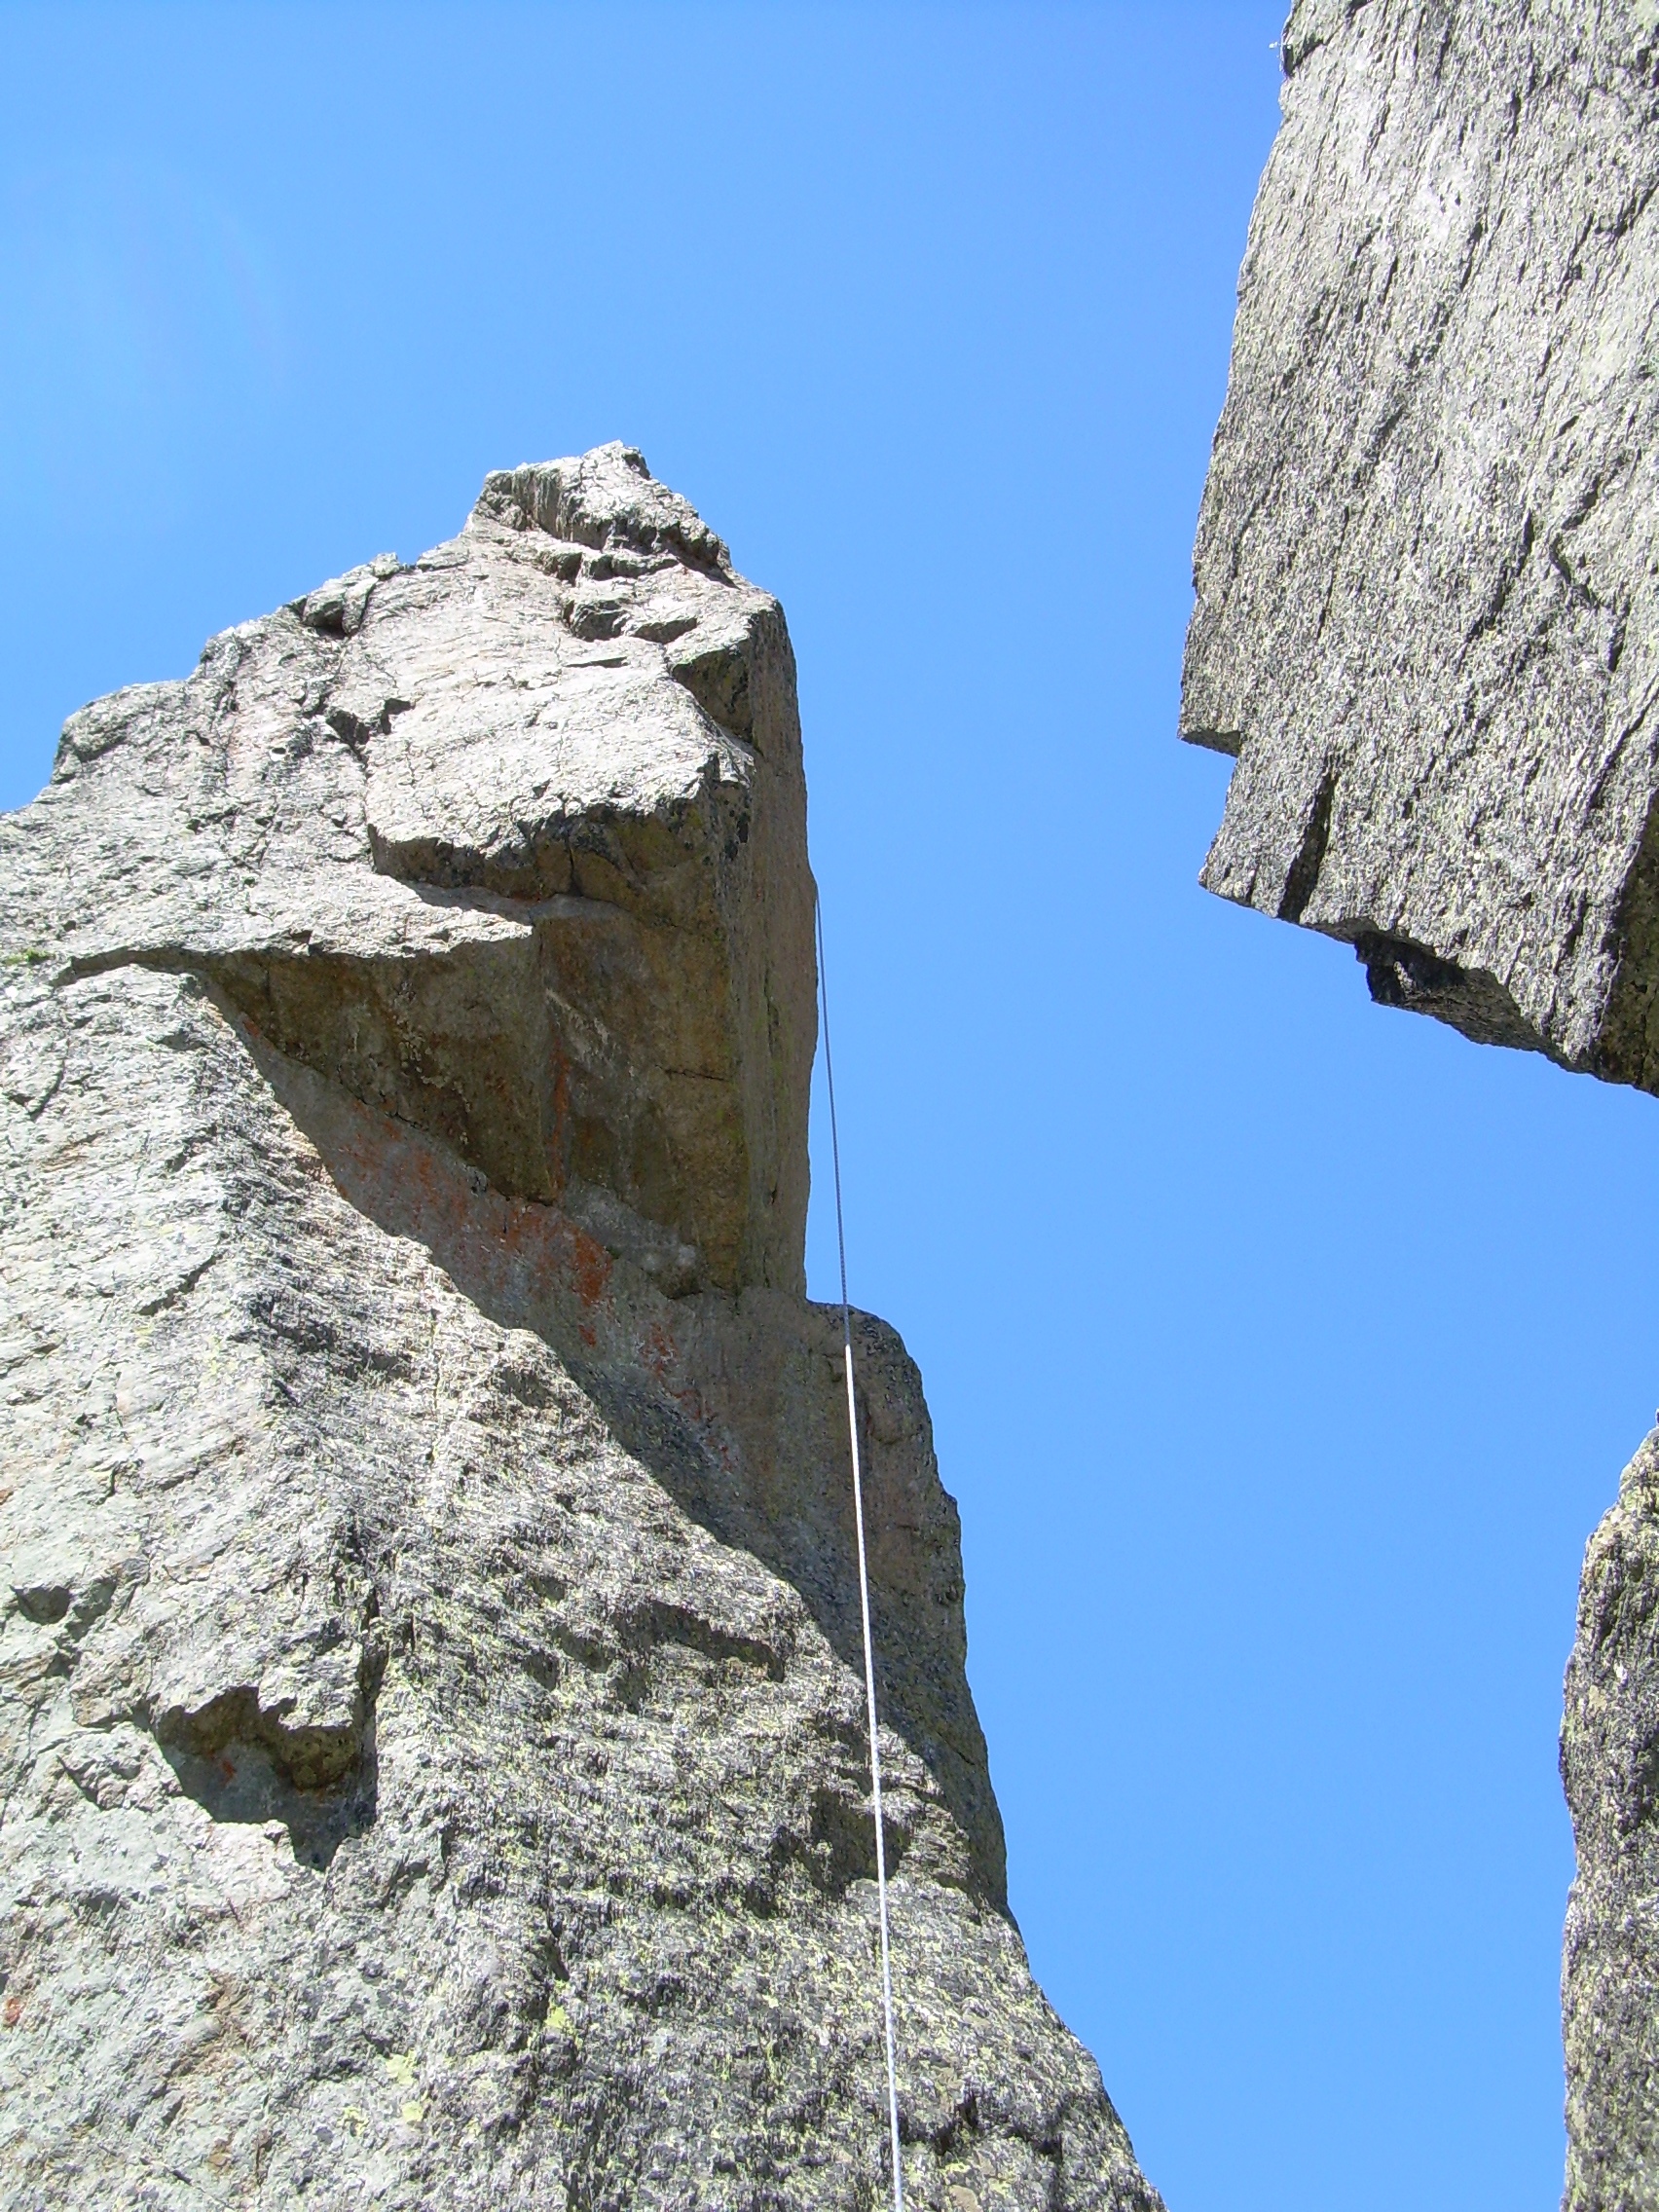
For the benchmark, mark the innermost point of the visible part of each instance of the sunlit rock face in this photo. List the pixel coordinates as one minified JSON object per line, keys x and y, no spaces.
{"x":429,"y":1696}
{"x":1427,"y":563}
{"x":1427,"y":626}
{"x":1609,"y":1762}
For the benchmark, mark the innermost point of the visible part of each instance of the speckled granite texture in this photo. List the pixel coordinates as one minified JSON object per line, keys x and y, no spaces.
{"x":430,"y":1706}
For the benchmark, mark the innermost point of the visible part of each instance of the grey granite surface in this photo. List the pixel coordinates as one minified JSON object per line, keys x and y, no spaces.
{"x":430,"y":1710}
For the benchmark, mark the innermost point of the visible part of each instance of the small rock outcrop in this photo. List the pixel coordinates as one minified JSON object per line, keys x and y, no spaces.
{"x":1609,"y":1762}
{"x":429,"y":1696}
{"x":1427,"y":626}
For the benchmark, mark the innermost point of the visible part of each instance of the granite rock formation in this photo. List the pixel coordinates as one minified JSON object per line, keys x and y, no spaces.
{"x":1427,"y":618}
{"x":1609,"y":1758}
{"x":430,"y":1707}
{"x":1427,"y":626}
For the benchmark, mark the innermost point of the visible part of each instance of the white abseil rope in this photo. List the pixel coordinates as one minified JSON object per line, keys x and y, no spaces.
{"x":864,"y":1598}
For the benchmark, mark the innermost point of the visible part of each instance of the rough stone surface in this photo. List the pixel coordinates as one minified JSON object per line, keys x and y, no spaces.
{"x":1427,"y":625}
{"x":429,"y":1709}
{"x":1610,"y":1763}
{"x":1427,"y":562}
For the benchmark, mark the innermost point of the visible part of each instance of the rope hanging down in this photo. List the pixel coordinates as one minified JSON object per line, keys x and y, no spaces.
{"x":863,"y":1596}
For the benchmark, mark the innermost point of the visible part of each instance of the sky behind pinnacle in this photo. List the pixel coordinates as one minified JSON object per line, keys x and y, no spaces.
{"x":1282,"y":1353}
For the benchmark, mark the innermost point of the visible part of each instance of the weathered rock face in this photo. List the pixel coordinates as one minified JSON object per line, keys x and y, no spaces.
{"x":1427,"y":563}
{"x":429,"y":1681}
{"x":1427,"y":625}
{"x":1609,"y":1762}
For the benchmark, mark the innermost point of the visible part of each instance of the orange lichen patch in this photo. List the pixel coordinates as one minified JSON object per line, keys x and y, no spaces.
{"x":689,"y":1399}
{"x":517,"y":1244}
{"x":592,"y":1266}
{"x":12,"y":2011}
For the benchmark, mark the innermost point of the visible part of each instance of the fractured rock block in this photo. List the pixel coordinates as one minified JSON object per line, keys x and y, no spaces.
{"x":1427,"y":560}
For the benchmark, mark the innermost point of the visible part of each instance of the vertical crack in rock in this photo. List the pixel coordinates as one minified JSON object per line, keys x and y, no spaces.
{"x":430,"y":1706}
{"x":1427,"y":582}
{"x":1302,"y":879}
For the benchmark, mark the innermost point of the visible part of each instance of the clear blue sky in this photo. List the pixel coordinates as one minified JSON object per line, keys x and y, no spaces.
{"x":1283,"y":1353}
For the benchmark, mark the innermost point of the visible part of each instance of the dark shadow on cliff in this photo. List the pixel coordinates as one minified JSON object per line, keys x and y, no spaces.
{"x":240,"y":1765}
{"x":734,"y":1405}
